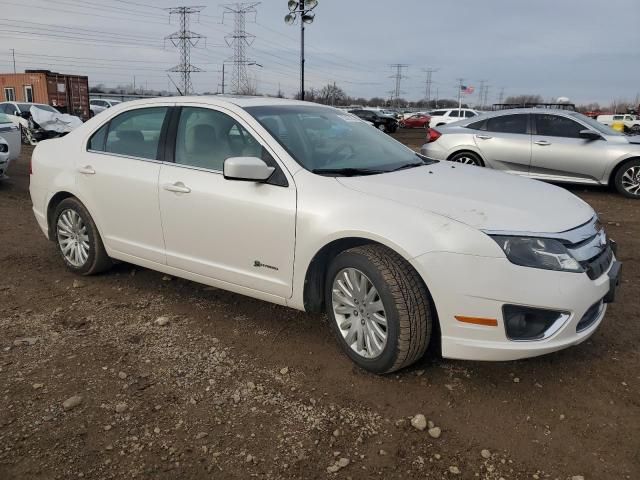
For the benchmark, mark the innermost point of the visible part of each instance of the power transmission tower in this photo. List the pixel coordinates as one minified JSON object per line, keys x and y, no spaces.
{"x":184,"y":39}
{"x":481,"y":93}
{"x":428,"y":83}
{"x":501,"y":96}
{"x":239,"y":40}
{"x":486,"y":95}
{"x":395,"y":94}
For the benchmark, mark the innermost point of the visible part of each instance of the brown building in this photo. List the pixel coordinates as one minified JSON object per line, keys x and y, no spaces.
{"x":68,"y":93}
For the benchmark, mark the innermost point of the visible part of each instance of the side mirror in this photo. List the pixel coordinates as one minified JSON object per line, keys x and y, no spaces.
{"x":588,"y":134}
{"x":248,"y":169}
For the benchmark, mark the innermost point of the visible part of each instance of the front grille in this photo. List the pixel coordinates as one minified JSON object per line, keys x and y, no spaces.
{"x":599,"y":264}
{"x":590,"y":316}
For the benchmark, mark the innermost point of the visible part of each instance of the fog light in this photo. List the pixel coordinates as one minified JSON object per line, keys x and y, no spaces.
{"x":526,"y":323}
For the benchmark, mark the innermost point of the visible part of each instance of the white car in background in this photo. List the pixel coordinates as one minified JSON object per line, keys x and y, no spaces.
{"x":630,"y":123}
{"x":302,"y":205}
{"x":444,"y":116}
{"x":97,"y":105}
{"x":10,"y":144}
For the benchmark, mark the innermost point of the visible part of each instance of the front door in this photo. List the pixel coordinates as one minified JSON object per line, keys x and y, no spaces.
{"x":558,"y":152}
{"x":117,"y":179}
{"x":240,"y":233}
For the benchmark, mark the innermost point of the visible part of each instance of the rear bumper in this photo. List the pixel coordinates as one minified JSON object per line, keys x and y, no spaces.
{"x":469,"y":286}
{"x":433,"y":150}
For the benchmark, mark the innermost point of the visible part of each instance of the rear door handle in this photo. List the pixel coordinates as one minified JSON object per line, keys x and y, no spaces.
{"x":542,"y":143}
{"x":87,"y":170}
{"x":484,"y":137}
{"x":177,"y":187}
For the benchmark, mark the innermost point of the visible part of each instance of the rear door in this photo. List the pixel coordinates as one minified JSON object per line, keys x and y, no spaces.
{"x":504,"y":142}
{"x":117,"y":180}
{"x":558,"y":152}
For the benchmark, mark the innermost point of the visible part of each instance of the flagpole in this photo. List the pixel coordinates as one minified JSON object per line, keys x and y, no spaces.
{"x":459,"y":96}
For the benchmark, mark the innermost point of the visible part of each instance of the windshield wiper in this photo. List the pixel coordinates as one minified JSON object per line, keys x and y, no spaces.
{"x":409,"y":165}
{"x":347,"y":171}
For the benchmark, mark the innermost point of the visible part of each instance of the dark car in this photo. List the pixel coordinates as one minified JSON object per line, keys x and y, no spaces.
{"x":382,"y":122}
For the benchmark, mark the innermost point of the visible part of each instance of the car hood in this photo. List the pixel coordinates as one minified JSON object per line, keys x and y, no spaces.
{"x":481,"y":198}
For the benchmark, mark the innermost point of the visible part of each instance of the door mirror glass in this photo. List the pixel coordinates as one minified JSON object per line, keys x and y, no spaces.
{"x":248,"y":169}
{"x":588,"y":134}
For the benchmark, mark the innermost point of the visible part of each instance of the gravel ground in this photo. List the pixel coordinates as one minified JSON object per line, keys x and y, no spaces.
{"x":133,"y":374}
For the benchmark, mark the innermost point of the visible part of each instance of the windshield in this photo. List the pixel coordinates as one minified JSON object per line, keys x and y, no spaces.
{"x":599,"y":127}
{"x":323,"y":138}
{"x":25,"y":107}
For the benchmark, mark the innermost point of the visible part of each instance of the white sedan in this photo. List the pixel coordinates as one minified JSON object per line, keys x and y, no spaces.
{"x":303,"y":205}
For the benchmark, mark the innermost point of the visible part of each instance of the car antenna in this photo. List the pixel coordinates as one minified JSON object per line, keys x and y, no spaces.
{"x":174,"y":84}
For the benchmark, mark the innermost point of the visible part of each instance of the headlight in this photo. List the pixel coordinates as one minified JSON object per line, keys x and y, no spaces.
{"x":545,"y":253}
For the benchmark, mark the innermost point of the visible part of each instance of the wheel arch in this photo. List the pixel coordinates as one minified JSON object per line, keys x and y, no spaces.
{"x":618,"y":166}
{"x":53,"y":203}
{"x":467,"y":150}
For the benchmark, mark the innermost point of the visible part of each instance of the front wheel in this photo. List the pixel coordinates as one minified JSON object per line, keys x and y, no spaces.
{"x":378,"y":307}
{"x":468,"y":158}
{"x":627,"y":179}
{"x":78,"y":239}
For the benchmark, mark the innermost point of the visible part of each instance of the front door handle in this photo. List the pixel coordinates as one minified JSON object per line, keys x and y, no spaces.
{"x":87,"y":170}
{"x":177,"y":187}
{"x":484,"y":137}
{"x":542,"y":143}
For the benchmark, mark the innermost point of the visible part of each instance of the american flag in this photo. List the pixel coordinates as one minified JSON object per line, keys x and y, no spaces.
{"x":466,"y":89}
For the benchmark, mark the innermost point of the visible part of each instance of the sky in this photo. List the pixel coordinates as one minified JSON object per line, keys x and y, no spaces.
{"x":586,"y":50}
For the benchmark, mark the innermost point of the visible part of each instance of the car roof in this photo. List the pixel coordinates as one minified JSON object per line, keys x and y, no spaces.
{"x":219,"y":100}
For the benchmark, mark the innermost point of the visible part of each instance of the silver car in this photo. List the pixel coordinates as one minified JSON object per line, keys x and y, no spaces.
{"x":545,"y":144}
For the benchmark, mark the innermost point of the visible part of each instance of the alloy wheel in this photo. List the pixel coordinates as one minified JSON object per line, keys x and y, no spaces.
{"x":359,"y":313}
{"x":631,"y":180}
{"x":466,"y":160}
{"x":73,"y":237}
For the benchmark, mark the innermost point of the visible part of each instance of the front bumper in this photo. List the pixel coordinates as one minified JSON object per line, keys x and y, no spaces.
{"x":479,"y":287}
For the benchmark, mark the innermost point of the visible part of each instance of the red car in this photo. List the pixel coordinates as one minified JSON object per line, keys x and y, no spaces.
{"x":419,"y":120}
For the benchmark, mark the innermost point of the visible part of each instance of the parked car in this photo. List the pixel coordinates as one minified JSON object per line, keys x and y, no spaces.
{"x":97,"y":105}
{"x":444,"y":116}
{"x":385,"y":123}
{"x":301,"y":205}
{"x":418,"y":120}
{"x":9,"y":143}
{"x":552,"y":145}
{"x":629,"y":123}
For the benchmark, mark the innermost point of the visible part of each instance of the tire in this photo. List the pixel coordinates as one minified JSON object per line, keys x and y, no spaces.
{"x":635,"y":130}
{"x":468,"y":158}
{"x":627,"y":179}
{"x":95,"y":259}
{"x":406,"y":308}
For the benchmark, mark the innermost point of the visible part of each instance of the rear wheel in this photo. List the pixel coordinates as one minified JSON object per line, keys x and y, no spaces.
{"x":627,"y":179}
{"x":78,"y":239}
{"x":468,"y":158}
{"x":378,"y":307}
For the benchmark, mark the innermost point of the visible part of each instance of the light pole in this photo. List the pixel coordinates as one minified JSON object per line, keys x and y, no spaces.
{"x":303,"y":8}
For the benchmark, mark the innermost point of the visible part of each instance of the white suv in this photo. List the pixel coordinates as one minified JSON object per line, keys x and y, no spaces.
{"x":442,"y":117}
{"x":303,"y":205}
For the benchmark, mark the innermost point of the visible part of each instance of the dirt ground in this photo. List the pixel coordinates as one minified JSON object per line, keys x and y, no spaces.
{"x":225,"y":386}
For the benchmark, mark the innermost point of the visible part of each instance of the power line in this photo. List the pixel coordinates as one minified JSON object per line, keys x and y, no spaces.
{"x":184,"y":39}
{"x":239,"y":40}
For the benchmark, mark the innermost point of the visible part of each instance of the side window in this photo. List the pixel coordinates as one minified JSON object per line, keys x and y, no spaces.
{"x":438,"y":113}
{"x":617,"y":117}
{"x":136,"y":133}
{"x":481,"y":125}
{"x":96,"y":142}
{"x":508,"y":124}
{"x":469,"y":114}
{"x":454,"y":113}
{"x":557,"y":126}
{"x":206,"y":138}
